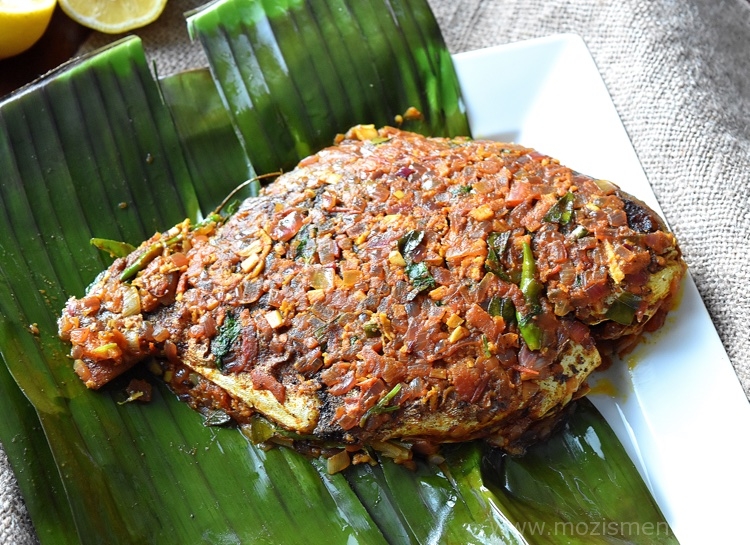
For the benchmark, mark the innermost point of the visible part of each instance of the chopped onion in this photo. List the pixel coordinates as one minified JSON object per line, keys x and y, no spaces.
{"x":288,"y":226}
{"x":328,"y":250}
{"x":483,"y":186}
{"x":457,"y":334}
{"x":161,"y":334}
{"x":392,"y":450}
{"x":338,"y":462}
{"x":79,"y":335}
{"x":274,"y":319}
{"x":131,"y":301}
{"x":209,"y":325}
{"x":351,"y":277}
{"x":322,"y":279}
{"x":170,"y":351}
{"x":606,"y":186}
{"x":179,"y":259}
{"x":132,"y":338}
{"x":436,"y":459}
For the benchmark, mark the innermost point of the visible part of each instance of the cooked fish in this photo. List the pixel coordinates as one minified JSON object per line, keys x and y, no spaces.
{"x":391,"y":287}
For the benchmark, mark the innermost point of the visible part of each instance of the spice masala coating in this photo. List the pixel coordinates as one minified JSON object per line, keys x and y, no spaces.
{"x":391,"y":287}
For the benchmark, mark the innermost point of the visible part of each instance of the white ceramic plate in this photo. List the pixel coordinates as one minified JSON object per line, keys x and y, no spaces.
{"x":678,"y":406}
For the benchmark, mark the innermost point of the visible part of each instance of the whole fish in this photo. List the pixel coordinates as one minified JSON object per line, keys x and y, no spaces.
{"x":393,"y":289}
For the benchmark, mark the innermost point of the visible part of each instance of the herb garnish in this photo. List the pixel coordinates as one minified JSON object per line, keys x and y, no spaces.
{"x":227,"y":335}
{"x":503,"y":307}
{"x":409,"y":242}
{"x":382,"y":406}
{"x":418,"y":273}
{"x":304,"y":246}
{"x":463,"y":190}
{"x":420,"y":278}
{"x":496,"y":244}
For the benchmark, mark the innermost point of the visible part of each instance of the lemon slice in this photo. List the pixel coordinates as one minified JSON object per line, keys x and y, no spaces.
{"x":22,"y":23}
{"x":113,"y":16}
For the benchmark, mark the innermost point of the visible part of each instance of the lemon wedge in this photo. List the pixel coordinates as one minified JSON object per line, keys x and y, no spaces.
{"x":113,"y":16}
{"x":22,"y":23}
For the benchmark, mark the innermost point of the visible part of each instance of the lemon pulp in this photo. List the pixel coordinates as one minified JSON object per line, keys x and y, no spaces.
{"x":113,"y":16}
{"x":22,"y":23}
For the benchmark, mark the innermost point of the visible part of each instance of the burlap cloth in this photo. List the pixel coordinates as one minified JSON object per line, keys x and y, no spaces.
{"x":679,"y":75}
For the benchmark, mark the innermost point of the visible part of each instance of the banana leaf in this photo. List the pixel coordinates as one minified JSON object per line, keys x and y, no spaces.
{"x":374,"y":59}
{"x":212,"y":150}
{"x":547,"y":496}
{"x":23,"y":440}
{"x":100,"y":148}
{"x":119,"y":484}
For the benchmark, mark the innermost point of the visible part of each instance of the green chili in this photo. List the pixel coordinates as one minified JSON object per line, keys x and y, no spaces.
{"x":149,"y":255}
{"x":562,"y":211}
{"x":420,"y":278}
{"x":531,"y":289}
{"x":371,"y":330}
{"x":213,"y":217}
{"x":623,"y":309}
{"x":115,"y":248}
{"x":579,"y":232}
{"x":486,"y":347}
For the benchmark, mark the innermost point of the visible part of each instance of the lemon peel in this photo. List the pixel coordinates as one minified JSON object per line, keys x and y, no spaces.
{"x":113,"y":16}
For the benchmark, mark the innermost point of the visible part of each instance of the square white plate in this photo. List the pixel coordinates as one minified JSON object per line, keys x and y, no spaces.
{"x":678,"y":409}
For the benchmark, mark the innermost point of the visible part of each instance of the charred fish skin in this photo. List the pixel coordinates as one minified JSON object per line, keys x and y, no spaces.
{"x":392,"y":286}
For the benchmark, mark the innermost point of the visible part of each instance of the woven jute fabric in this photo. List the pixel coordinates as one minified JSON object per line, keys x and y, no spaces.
{"x":679,"y":75}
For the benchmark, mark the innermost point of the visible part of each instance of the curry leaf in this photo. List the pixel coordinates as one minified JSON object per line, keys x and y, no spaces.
{"x":409,"y":242}
{"x":225,"y":338}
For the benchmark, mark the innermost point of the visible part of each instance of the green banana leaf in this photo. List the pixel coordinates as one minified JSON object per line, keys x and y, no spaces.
{"x":101,"y":149}
{"x":545,"y":492}
{"x":212,"y":151}
{"x":23,"y":440}
{"x":372,"y":61}
{"x":111,"y":456}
